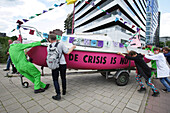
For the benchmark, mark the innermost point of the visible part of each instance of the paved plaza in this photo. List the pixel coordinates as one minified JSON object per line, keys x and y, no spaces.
{"x":86,"y":93}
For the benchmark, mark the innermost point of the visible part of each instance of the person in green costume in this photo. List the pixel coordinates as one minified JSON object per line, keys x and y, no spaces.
{"x":26,"y":68}
{"x":153,"y":62}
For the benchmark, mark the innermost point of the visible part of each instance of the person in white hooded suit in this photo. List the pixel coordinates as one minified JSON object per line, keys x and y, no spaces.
{"x":163,"y":70}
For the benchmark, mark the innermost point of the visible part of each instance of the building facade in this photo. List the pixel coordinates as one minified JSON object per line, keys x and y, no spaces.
{"x":152,"y":20}
{"x":90,"y":19}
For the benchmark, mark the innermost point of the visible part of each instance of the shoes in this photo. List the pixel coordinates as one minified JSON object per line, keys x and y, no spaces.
{"x":142,"y":89}
{"x":155,"y":94}
{"x":164,"y":90}
{"x":39,"y":90}
{"x":5,"y":69}
{"x":57,"y":97}
{"x":47,"y":86}
{"x":64,"y":92}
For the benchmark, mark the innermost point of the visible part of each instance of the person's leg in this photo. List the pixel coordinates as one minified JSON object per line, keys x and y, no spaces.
{"x":167,"y":80}
{"x":150,"y":84}
{"x":8,"y":63}
{"x":63,"y":77}
{"x":165,"y":84}
{"x":32,"y":71}
{"x":139,"y":81}
{"x":55,"y":75}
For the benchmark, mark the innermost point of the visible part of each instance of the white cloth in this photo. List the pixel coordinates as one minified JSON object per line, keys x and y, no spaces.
{"x":162,"y":67}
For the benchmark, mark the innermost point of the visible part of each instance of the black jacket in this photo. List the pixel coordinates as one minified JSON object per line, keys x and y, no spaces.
{"x":142,"y":67}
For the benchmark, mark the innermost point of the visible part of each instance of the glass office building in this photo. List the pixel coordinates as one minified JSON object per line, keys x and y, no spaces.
{"x":152,"y":20}
{"x":90,"y":19}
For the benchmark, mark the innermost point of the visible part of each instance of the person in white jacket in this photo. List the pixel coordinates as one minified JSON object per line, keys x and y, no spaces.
{"x":163,"y":71}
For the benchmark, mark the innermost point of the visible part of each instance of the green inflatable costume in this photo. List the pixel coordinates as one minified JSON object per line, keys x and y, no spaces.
{"x":153,"y":62}
{"x":25,"y":67}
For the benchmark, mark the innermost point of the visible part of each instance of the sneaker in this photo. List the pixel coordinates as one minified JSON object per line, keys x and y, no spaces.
{"x":142,"y":89}
{"x":39,"y":90}
{"x":57,"y":97}
{"x":164,"y":90}
{"x":5,"y":69}
{"x":155,"y":94}
{"x":64,"y":92}
{"x":47,"y":86}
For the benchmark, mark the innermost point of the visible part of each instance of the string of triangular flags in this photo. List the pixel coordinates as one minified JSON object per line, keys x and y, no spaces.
{"x":44,"y":11}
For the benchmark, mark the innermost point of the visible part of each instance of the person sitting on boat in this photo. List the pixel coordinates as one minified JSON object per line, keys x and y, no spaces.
{"x":143,"y":71}
{"x":26,"y":68}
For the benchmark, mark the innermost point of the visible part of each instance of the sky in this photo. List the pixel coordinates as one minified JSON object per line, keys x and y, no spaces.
{"x":13,"y":10}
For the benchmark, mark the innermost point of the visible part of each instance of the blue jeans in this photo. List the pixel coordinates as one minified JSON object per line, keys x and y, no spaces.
{"x":8,"y":62}
{"x":166,"y":82}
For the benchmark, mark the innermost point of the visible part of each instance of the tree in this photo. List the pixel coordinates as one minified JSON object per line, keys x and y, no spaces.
{"x":168,"y":43}
{"x":161,"y":44}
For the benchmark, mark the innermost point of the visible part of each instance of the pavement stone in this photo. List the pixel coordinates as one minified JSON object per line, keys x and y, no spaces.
{"x":87,"y":93}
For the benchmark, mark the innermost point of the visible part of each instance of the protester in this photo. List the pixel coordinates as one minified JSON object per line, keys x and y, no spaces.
{"x":166,"y":52}
{"x":143,"y":71}
{"x":62,"y":66}
{"x":9,"y":58}
{"x":150,"y":47}
{"x":162,"y":68}
{"x":26,"y":68}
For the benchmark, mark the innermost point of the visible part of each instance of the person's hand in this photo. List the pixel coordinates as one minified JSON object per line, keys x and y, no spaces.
{"x":7,"y":53}
{"x":119,"y":53}
{"x":74,"y":46}
{"x":43,"y":40}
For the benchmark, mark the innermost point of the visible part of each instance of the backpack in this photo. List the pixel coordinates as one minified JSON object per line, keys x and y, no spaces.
{"x":53,"y":59}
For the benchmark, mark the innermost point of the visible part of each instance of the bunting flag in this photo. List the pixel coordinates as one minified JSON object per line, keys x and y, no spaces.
{"x":100,"y":43}
{"x":98,"y":7}
{"x":115,"y":44}
{"x":93,"y":42}
{"x":31,"y":17}
{"x":25,"y":20}
{"x":87,"y":2}
{"x":50,"y":9}
{"x":133,"y":26}
{"x":38,"y":14}
{"x":20,"y":38}
{"x":25,"y":28}
{"x":45,"y":35}
{"x":44,"y":11}
{"x":116,"y":19}
{"x":58,"y":37}
{"x":125,"y":22}
{"x":31,"y":32}
{"x":71,"y":39}
{"x":70,"y":1}
{"x":136,"y":40}
{"x":64,"y":38}
{"x":121,"y":45}
{"x":19,"y":22}
{"x":121,"y":19}
{"x":56,"y":5}
{"x":13,"y":30}
{"x":78,"y":41}
{"x":18,"y":27}
{"x":86,"y":42}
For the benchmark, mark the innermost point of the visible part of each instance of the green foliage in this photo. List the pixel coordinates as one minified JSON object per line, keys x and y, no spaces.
{"x":161,"y":44}
{"x":168,"y":43}
{"x":4,"y":47}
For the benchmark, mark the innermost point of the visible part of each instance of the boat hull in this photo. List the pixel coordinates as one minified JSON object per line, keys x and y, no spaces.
{"x":83,"y":59}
